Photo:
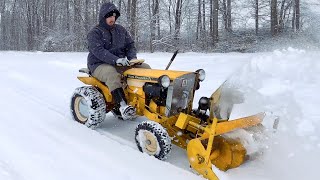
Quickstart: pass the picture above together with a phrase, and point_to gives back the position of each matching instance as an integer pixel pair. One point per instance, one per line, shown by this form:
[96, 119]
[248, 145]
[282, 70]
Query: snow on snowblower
[165, 97]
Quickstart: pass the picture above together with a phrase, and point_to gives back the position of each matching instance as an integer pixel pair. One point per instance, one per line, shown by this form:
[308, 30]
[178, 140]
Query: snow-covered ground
[39, 140]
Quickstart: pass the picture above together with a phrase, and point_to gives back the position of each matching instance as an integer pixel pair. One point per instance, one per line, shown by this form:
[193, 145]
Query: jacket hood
[107, 8]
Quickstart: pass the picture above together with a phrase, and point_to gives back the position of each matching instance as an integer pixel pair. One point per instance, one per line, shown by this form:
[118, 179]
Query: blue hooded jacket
[107, 43]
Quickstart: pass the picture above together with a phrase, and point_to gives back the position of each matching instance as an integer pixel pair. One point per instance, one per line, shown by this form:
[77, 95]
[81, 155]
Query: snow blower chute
[165, 97]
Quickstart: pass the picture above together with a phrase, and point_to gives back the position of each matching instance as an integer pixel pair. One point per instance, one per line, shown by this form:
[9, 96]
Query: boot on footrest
[128, 112]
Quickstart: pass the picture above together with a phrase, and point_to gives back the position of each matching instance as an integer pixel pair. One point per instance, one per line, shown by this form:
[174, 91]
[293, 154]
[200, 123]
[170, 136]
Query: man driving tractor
[111, 52]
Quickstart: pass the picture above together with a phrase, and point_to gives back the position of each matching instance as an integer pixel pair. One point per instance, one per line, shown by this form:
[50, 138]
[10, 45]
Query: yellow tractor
[165, 97]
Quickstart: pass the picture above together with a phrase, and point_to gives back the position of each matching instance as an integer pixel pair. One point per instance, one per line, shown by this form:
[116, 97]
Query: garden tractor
[165, 98]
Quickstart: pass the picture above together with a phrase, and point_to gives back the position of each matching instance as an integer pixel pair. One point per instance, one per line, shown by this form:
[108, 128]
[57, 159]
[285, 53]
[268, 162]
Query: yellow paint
[94, 82]
[154, 73]
[151, 116]
[153, 107]
[188, 122]
[227, 126]
[182, 121]
[162, 110]
[196, 156]
[229, 153]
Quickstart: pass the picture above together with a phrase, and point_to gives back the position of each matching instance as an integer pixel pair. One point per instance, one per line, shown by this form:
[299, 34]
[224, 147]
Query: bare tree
[177, 21]
[3, 33]
[154, 6]
[132, 18]
[53, 14]
[211, 18]
[157, 15]
[68, 16]
[169, 15]
[274, 18]
[226, 9]
[77, 24]
[46, 13]
[129, 11]
[86, 15]
[256, 16]
[199, 24]
[203, 17]
[282, 16]
[14, 35]
[97, 6]
[30, 4]
[296, 15]
[229, 27]
[215, 34]
[153, 23]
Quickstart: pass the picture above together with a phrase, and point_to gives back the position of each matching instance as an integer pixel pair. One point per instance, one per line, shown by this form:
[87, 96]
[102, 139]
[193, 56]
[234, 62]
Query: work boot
[127, 111]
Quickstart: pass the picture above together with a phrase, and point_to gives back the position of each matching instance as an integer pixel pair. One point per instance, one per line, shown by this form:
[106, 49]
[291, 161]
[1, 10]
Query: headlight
[202, 74]
[204, 103]
[164, 81]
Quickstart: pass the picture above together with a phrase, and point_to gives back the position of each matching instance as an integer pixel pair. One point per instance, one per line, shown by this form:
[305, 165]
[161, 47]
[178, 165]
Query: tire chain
[160, 132]
[97, 105]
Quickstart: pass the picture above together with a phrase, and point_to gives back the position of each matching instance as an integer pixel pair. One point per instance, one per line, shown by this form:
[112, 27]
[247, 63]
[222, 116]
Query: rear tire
[88, 106]
[153, 139]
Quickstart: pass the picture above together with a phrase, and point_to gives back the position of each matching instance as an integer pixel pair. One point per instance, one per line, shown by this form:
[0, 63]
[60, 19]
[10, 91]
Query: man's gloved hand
[123, 62]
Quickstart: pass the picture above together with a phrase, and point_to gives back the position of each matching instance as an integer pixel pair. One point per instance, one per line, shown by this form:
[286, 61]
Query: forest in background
[163, 25]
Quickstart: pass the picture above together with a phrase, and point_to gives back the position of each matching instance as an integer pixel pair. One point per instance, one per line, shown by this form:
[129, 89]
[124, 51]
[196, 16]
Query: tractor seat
[85, 70]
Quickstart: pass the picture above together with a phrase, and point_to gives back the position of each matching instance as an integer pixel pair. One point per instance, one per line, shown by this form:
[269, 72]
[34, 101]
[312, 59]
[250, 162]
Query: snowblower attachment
[211, 147]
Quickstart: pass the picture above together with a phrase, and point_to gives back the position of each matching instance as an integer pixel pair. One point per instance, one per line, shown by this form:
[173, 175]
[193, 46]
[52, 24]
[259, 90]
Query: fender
[96, 83]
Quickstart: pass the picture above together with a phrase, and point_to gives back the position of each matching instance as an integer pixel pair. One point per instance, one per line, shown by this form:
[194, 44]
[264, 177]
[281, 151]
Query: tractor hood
[152, 75]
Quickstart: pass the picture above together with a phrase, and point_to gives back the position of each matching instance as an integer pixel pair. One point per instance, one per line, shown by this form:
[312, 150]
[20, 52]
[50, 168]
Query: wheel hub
[81, 109]
[151, 144]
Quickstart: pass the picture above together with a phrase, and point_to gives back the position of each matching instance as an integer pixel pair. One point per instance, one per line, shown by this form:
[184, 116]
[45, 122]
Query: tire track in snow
[8, 172]
[26, 80]
[27, 95]
[118, 139]
[119, 130]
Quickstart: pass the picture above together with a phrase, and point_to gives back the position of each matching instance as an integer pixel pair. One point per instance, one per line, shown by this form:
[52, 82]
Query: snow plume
[285, 83]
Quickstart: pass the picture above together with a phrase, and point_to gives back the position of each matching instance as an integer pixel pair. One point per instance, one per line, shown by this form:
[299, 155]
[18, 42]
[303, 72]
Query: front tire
[88, 106]
[153, 139]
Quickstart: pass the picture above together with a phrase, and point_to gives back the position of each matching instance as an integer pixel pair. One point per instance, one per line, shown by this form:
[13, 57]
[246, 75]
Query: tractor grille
[180, 94]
